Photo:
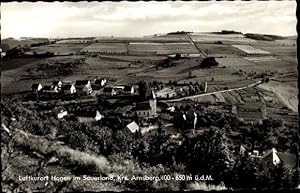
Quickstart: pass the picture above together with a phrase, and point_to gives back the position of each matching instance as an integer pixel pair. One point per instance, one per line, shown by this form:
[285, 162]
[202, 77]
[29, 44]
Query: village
[99, 105]
[87, 92]
[141, 108]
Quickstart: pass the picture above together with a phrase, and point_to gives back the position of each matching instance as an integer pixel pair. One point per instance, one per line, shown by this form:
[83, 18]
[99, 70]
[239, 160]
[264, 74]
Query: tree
[144, 90]
[205, 153]
[282, 178]
[208, 62]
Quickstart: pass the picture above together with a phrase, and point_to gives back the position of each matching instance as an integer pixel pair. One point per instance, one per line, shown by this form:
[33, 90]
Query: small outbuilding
[133, 127]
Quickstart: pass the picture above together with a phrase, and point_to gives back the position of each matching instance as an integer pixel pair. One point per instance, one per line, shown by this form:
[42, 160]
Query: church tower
[152, 103]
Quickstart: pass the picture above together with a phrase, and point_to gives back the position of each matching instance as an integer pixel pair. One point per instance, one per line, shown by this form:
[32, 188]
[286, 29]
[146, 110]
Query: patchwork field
[209, 37]
[261, 59]
[59, 49]
[250, 49]
[163, 48]
[106, 48]
[218, 49]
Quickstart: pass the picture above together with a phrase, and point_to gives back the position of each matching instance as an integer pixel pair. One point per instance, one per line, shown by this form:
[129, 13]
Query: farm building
[36, 87]
[109, 91]
[68, 89]
[89, 116]
[57, 83]
[128, 89]
[166, 93]
[50, 89]
[133, 127]
[273, 156]
[83, 86]
[100, 81]
[60, 112]
[147, 109]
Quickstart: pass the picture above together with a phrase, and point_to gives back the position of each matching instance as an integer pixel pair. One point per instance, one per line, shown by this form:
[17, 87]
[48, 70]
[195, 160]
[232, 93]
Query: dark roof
[142, 106]
[108, 89]
[289, 160]
[81, 82]
[55, 82]
[35, 86]
[47, 87]
[98, 81]
[66, 87]
[127, 88]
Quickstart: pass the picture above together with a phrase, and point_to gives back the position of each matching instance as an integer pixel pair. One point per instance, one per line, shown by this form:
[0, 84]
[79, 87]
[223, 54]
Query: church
[147, 109]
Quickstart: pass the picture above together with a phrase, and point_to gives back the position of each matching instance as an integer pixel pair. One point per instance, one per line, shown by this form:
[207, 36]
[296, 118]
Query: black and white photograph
[149, 96]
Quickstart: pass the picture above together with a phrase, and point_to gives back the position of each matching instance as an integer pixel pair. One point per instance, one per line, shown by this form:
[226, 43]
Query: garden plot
[250, 50]
[219, 98]
[106, 48]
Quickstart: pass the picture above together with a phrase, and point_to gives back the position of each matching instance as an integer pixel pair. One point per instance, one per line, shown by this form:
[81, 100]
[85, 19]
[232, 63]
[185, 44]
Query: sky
[94, 19]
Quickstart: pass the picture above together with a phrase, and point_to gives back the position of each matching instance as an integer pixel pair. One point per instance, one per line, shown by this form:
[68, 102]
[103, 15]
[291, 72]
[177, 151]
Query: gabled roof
[127, 88]
[133, 127]
[108, 89]
[142, 106]
[152, 95]
[98, 81]
[56, 82]
[67, 87]
[35, 86]
[81, 82]
[47, 87]
[288, 159]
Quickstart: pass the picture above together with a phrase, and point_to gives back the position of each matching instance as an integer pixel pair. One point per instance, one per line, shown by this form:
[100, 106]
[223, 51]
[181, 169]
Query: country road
[203, 54]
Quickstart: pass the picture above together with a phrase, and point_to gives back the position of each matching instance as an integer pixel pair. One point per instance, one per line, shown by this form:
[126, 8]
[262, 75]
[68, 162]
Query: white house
[36, 87]
[110, 91]
[68, 89]
[83, 86]
[62, 114]
[133, 127]
[57, 83]
[129, 89]
[89, 116]
[50, 89]
[100, 81]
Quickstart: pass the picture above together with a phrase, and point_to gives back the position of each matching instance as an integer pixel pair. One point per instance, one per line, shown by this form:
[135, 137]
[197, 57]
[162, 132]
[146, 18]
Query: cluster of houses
[81, 86]
[115, 90]
[272, 156]
[182, 91]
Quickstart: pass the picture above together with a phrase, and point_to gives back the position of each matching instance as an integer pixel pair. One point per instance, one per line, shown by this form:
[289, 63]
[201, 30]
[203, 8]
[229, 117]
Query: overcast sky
[69, 19]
